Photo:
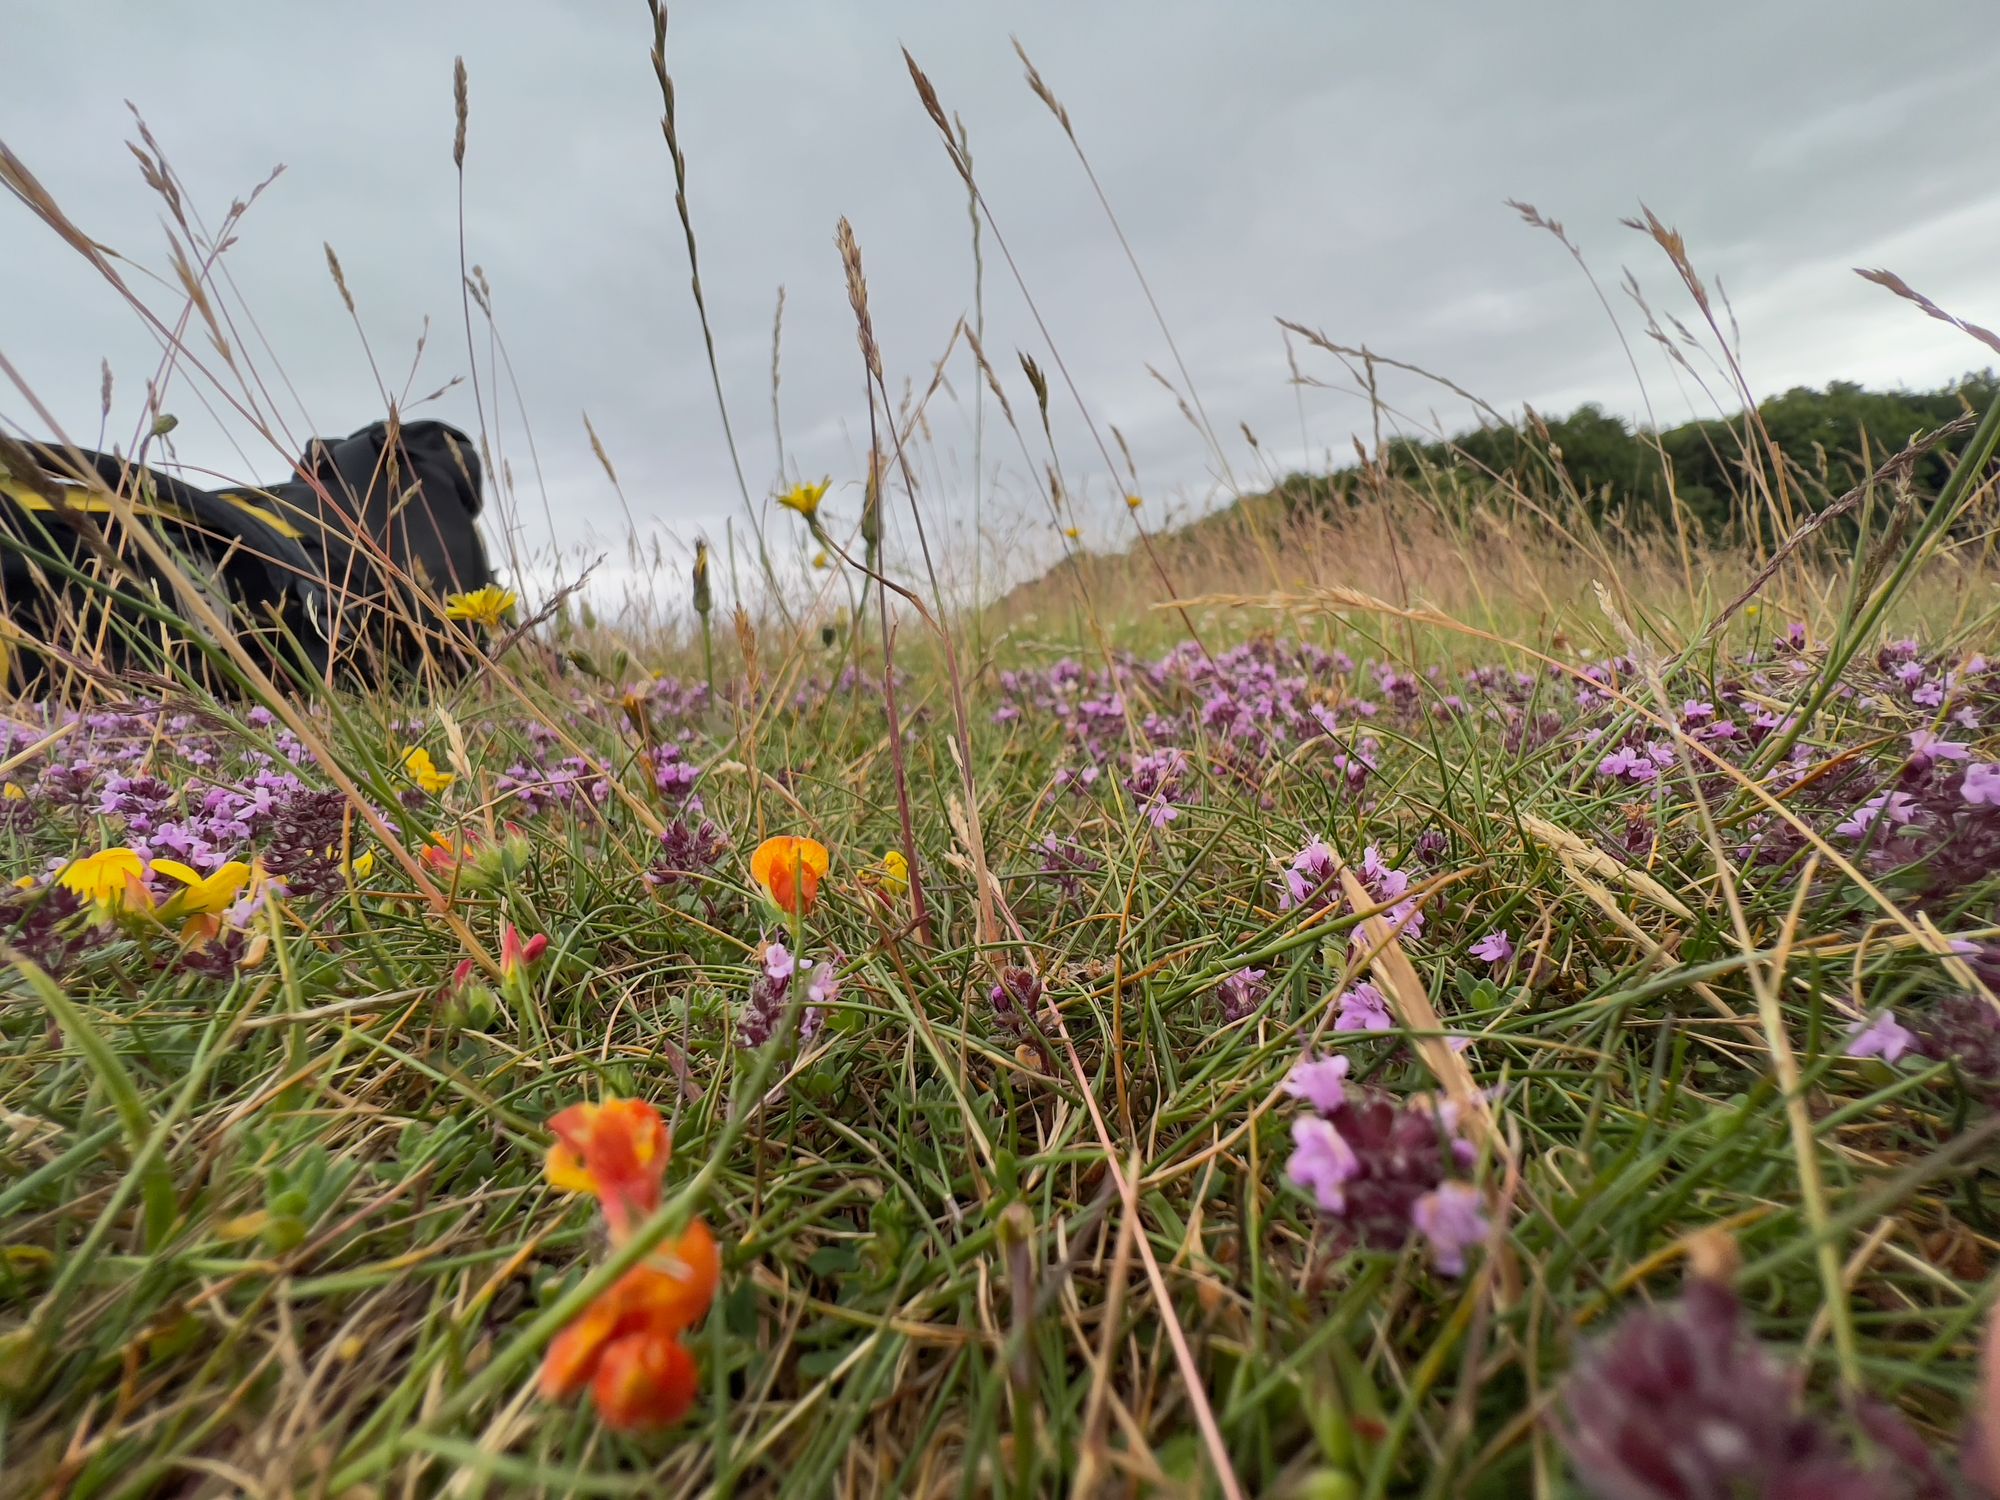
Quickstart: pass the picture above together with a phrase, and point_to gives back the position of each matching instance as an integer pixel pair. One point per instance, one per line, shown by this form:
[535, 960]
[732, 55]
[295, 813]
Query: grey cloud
[1342, 165]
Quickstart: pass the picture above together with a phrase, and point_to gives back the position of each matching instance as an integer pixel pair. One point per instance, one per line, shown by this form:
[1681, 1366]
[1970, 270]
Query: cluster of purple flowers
[1016, 999]
[1242, 992]
[1064, 863]
[690, 847]
[1247, 705]
[1312, 883]
[779, 971]
[1159, 783]
[1380, 1169]
[1681, 1402]
[167, 786]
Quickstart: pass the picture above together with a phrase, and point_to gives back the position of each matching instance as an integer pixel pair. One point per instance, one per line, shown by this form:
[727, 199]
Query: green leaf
[157, 1186]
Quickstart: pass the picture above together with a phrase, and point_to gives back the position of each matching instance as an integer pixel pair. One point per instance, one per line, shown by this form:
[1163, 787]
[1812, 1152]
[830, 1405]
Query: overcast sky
[1340, 164]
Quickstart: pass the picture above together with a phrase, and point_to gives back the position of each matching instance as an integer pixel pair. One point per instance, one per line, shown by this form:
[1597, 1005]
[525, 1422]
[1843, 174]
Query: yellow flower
[805, 498]
[362, 865]
[488, 606]
[423, 770]
[201, 895]
[13, 793]
[819, 559]
[1072, 533]
[1133, 502]
[889, 875]
[110, 877]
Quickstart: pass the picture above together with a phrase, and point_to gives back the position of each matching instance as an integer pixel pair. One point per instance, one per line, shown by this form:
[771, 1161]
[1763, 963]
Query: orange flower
[662, 1298]
[644, 1384]
[444, 854]
[789, 870]
[626, 1346]
[617, 1150]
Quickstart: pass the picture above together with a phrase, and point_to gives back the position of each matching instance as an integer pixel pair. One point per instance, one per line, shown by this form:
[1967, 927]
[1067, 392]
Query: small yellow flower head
[820, 560]
[805, 498]
[362, 865]
[201, 895]
[424, 772]
[1133, 502]
[489, 606]
[113, 878]
[13, 792]
[889, 875]
[1072, 533]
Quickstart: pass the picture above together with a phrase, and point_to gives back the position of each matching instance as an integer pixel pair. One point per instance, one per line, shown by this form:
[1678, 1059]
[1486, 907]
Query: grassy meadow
[1437, 994]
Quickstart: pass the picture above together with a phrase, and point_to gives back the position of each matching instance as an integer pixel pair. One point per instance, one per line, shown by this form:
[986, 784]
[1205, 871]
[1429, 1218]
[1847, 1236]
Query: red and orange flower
[626, 1346]
[616, 1151]
[789, 871]
[519, 954]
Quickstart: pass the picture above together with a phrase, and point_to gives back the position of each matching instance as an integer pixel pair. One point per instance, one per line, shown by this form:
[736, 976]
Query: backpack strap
[269, 543]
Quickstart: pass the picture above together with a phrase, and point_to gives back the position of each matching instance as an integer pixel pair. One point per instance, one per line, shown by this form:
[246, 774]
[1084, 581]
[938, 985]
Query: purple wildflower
[1964, 1030]
[1627, 764]
[1926, 747]
[1363, 1008]
[1377, 1167]
[1679, 1402]
[1016, 997]
[1495, 948]
[672, 774]
[1158, 783]
[763, 1010]
[1310, 877]
[1981, 786]
[1322, 1162]
[1452, 1216]
[1242, 992]
[688, 850]
[779, 965]
[1892, 808]
[1319, 1081]
[1884, 1037]
[1064, 862]
[824, 987]
[1387, 887]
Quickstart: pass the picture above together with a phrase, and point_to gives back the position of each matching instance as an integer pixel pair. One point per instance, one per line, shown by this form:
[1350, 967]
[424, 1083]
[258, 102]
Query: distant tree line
[1831, 440]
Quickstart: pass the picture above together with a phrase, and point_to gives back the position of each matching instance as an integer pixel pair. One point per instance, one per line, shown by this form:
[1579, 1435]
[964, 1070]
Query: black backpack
[305, 582]
[401, 527]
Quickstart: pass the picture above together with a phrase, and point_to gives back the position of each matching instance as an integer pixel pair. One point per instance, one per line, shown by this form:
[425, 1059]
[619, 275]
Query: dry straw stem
[670, 129]
[928, 95]
[1126, 1184]
[1575, 851]
[1903, 289]
[1894, 470]
[1778, 499]
[1391, 965]
[1198, 417]
[857, 294]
